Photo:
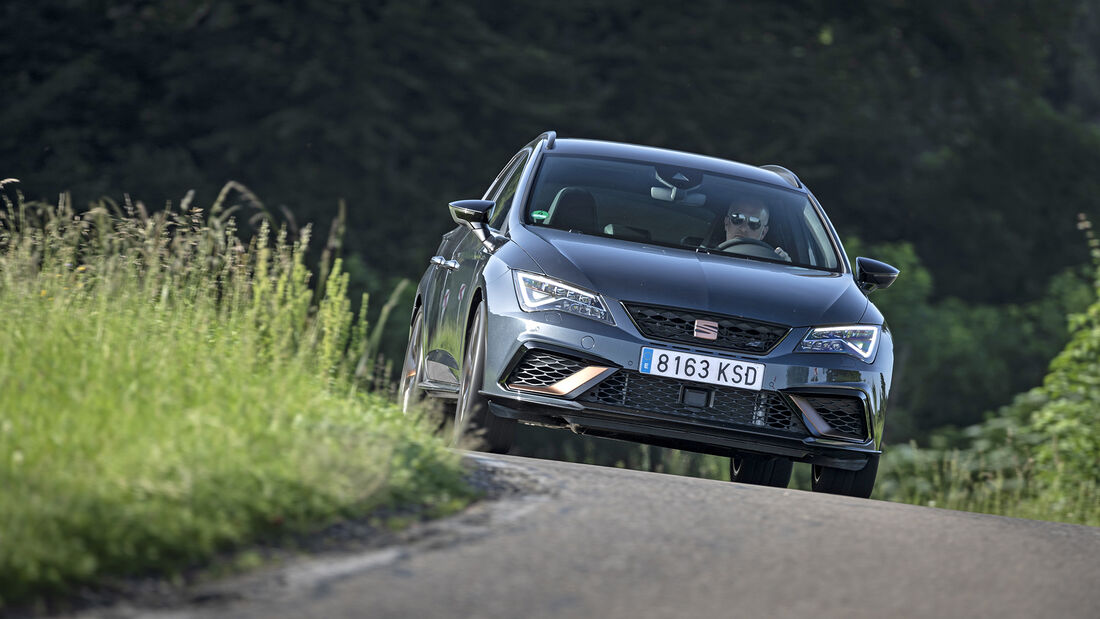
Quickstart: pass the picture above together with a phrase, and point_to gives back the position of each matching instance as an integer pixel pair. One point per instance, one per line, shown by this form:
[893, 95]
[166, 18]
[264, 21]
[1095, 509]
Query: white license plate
[702, 368]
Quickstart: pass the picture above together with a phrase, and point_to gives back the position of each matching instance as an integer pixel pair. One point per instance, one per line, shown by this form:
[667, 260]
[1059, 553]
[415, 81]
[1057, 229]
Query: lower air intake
[658, 394]
[542, 369]
[845, 415]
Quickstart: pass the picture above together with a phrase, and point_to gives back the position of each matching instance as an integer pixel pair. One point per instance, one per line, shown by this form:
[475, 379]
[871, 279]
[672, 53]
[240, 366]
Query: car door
[437, 368]
[443, 333]
[467, 260]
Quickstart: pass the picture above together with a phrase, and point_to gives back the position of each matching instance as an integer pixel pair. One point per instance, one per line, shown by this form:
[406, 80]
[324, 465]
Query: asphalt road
[587, 541]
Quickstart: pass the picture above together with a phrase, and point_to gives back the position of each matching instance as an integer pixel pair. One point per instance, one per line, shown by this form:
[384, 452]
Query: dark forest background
[958, 140]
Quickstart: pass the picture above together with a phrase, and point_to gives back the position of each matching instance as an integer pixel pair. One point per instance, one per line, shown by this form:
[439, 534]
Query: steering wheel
[740, 240]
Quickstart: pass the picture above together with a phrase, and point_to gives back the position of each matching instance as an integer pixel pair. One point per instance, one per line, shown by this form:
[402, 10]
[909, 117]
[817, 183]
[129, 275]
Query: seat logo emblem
[706, 329]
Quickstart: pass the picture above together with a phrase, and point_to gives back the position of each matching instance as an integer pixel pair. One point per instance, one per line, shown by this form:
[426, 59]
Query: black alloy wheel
[747, 468]
[850, 483]
[475, 427]
[409, 394]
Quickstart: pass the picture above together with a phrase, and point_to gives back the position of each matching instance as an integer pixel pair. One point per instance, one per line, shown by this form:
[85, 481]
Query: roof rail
[550, 137]
[783, 173]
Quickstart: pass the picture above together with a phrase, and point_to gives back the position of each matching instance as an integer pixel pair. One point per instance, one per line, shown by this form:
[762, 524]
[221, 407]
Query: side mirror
[873, 275]
[471, 213]
[474, 214]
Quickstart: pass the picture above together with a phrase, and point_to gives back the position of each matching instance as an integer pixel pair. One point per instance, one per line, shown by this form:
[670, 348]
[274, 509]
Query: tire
[746, 468]
[850, 483]
[409, 395]
[475, 427]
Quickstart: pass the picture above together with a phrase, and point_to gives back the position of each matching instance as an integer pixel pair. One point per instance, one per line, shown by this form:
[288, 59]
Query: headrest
[627, 232]
[573, 208]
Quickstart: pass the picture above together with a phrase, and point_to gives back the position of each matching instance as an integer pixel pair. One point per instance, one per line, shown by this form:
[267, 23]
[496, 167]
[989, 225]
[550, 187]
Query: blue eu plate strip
[647, 360]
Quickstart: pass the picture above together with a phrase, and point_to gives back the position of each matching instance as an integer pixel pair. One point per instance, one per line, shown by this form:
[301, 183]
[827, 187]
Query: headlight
[856, 340]
[539, 293]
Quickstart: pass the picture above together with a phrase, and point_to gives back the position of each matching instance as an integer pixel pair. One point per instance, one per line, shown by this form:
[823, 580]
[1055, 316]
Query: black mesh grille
[659, 394]
[845, 415]
[678, 325]
[542, 369]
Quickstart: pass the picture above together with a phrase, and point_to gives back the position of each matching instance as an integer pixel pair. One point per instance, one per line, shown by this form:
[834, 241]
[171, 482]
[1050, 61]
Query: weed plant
[169, 391]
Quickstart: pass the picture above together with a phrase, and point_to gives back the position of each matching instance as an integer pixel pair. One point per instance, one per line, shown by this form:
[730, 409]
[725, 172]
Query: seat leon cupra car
[659, 297]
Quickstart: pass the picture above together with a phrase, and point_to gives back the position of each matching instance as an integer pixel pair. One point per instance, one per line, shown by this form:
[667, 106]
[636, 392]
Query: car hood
[636, 272]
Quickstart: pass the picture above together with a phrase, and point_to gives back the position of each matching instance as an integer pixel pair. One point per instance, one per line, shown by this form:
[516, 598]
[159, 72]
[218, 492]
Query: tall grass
[977, 480]
[168, 391]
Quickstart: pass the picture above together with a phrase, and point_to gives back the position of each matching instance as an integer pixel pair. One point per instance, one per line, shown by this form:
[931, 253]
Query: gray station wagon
[660, 297]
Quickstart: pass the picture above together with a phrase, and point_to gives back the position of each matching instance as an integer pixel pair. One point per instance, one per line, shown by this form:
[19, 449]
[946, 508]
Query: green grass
[168, 393]
[977, 480]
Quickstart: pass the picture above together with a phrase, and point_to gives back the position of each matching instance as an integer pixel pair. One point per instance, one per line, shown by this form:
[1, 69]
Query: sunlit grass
[168, 392]
[976, 481]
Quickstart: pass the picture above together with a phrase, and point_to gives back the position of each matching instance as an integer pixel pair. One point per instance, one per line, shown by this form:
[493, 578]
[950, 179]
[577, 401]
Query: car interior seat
[632, 233]
[574, 208]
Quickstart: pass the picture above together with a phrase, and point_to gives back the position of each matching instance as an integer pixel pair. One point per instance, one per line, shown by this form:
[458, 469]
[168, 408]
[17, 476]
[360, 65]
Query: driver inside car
[747, 218]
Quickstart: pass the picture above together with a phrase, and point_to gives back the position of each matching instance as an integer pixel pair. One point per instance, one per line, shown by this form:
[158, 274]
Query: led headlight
[540, 293]
[856, 340]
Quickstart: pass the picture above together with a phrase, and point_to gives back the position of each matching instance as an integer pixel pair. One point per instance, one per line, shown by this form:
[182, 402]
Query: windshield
[653, 203]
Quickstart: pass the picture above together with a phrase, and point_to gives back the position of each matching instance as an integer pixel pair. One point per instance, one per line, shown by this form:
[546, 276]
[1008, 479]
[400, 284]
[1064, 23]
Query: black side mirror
[873, 275]
[471, 212]
[474, 214]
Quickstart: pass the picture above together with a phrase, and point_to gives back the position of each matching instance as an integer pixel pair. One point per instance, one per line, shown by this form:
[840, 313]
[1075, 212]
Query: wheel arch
[476, 299]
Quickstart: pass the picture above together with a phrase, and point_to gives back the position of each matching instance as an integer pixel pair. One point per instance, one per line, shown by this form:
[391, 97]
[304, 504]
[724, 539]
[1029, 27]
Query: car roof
[599, 148]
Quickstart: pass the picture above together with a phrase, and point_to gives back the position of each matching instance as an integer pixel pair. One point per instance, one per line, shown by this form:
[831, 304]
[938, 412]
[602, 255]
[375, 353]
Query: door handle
[450, 264]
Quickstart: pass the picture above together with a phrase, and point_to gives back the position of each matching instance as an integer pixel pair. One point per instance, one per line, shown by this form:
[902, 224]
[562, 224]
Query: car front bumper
[553, 368]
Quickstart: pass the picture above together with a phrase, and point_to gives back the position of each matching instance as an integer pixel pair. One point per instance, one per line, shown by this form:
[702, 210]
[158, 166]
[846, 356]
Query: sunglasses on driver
[738, 219]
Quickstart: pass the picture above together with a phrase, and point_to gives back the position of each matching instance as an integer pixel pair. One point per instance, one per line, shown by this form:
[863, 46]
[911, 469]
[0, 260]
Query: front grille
[542, 369]
[678, 325]
[658, 394]
[845, 415]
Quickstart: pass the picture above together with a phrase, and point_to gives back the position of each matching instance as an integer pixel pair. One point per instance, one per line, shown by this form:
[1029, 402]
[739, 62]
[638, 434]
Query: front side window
[672, 206]
[507, 190]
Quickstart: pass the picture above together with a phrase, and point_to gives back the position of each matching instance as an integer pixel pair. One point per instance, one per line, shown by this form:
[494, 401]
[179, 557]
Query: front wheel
[475, 427]
[760, 470]
[850, 483]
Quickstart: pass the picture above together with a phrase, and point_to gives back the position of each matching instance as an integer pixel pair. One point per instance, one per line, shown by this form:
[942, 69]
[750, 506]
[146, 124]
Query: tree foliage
[960, 133]
[913, 121]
